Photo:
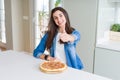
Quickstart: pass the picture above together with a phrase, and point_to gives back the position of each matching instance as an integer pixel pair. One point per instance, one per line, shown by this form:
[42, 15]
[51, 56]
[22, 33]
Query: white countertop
[21, 66]
[109, 44]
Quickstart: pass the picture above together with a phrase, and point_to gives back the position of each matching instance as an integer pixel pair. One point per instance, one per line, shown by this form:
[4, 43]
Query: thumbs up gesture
[65, 37]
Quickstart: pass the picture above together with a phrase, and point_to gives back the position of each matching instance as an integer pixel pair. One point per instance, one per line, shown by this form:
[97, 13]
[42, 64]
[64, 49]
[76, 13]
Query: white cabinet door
[107, 63]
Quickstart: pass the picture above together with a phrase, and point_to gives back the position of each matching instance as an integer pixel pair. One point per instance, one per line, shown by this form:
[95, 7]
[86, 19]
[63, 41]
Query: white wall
[19, 27]
[27, 21]
[83, 16]
[17, 24]
[14, 25]
[8, 24]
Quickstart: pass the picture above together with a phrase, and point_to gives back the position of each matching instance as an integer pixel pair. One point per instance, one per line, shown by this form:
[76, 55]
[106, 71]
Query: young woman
[60, 39]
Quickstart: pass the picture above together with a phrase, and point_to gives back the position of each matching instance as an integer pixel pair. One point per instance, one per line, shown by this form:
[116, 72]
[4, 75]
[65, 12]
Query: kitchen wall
[83, 16]
[14, 25]
[17, 25]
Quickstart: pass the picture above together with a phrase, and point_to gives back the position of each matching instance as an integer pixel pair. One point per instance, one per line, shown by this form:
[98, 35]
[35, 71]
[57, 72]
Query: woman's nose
[59, 19]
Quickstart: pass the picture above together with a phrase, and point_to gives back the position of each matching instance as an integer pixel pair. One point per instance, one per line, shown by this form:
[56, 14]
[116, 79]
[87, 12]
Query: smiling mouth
[60, 23]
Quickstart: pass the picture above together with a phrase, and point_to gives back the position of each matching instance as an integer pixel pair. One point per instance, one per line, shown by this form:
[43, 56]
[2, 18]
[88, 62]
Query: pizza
[52, 66]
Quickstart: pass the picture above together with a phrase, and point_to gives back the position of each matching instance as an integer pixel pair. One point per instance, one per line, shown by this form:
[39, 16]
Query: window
[41, 16]
[2, 22]
[42, 9]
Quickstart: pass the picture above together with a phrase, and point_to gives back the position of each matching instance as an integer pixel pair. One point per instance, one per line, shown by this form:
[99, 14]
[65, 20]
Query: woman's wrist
[46, 57]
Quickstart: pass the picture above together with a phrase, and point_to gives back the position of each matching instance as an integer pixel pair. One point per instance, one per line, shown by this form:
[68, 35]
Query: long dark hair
[53, 28]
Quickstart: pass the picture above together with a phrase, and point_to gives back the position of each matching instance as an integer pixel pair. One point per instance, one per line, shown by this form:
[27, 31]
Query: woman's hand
[52, 59]
[49, 58]
[66, 37]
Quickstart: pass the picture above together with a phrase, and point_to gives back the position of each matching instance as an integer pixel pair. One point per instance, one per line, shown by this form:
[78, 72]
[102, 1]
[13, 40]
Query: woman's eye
[55, 17]
[60, 15]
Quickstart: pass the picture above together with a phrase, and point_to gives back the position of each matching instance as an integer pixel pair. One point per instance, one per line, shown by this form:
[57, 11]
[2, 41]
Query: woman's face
[59, 19]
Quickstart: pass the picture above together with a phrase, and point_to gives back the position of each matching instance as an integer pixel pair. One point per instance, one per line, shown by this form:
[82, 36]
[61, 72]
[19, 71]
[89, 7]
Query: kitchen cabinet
[107, 52]
[107, 63]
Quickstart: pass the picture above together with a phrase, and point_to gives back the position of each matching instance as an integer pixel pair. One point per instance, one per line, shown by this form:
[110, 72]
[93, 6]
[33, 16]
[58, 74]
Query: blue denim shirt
[72, 58]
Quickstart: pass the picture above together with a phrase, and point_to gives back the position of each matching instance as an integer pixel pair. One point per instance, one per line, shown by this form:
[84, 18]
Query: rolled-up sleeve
[41, 47]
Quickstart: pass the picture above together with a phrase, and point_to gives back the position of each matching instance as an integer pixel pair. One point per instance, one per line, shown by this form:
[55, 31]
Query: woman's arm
[39, 50]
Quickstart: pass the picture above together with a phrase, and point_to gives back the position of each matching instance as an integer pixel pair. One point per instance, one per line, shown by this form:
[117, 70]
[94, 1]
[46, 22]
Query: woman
[60, 40]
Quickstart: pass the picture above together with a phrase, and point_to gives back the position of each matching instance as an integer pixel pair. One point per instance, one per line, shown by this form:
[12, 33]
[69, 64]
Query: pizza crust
[52, 66]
